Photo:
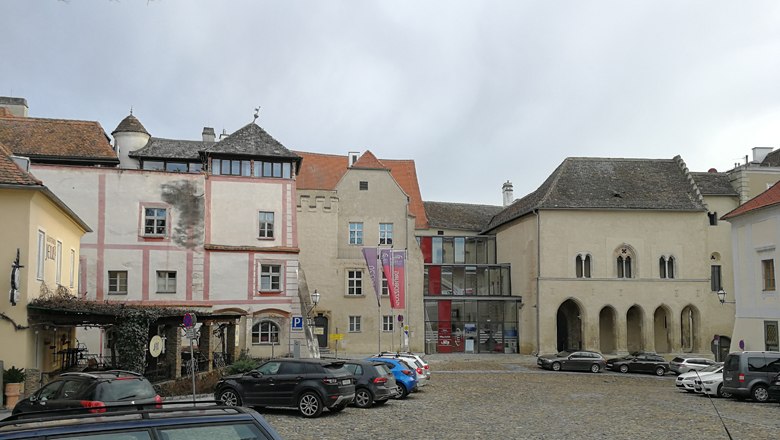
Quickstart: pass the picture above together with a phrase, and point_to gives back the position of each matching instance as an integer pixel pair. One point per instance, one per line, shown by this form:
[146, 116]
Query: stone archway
[634, 323]
[608, 330]
[662, 330]
[689, 329]
[569, 326]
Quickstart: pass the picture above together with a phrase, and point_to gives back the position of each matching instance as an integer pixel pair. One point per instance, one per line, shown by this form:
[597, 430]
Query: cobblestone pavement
[508, 397]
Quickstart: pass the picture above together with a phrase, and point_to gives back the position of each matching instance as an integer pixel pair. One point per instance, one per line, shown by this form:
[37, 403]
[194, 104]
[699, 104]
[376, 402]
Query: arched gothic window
[265, 332]
[624, 262]
[582, 264]
[666, 267]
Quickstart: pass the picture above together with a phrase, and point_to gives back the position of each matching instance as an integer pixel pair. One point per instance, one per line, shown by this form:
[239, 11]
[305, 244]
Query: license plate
[346, 382]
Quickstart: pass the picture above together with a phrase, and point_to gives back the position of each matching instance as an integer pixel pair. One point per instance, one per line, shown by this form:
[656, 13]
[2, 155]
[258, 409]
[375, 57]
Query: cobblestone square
[509, 397]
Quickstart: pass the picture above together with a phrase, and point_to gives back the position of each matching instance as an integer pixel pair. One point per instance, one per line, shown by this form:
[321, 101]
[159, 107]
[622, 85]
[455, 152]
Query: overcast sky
[476, 92]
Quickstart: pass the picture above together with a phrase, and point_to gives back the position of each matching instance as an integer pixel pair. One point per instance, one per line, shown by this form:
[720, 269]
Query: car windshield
[125, 389]
[711, 368]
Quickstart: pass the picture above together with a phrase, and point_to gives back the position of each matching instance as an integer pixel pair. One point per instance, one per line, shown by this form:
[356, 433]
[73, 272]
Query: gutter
[538, 275]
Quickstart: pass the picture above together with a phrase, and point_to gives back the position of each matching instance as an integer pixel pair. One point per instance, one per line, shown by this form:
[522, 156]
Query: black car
[375, 382]
[639, 362]
[307, 384]
[95, 390]
[169, 420]
[575, 361]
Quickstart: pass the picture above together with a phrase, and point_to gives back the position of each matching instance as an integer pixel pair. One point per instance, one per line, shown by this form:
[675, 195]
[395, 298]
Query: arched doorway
[689, 329]
[634, 341]
[569, 326]
[661, 329]
[322, 321]
[608, 330]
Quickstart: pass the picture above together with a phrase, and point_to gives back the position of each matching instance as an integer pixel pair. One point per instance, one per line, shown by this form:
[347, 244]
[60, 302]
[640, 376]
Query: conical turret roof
[130, 124]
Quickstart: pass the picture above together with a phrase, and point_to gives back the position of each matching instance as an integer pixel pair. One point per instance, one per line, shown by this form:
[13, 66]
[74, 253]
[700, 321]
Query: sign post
[189, 324]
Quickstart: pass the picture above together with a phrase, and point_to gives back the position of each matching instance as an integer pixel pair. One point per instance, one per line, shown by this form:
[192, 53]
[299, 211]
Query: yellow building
[40, 236]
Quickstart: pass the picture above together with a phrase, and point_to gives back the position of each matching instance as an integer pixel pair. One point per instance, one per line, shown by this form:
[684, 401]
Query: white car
[712, 385]
[686, 381]
[421, 367]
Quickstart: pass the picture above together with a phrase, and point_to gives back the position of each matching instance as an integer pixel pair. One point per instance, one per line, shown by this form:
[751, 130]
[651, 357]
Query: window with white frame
[117, 282]
[265, 332]
[385, 286]
[768, 274]
[355, 233]
[354, 324]
[386, 233]
[166, 281]
[41, 255]
[58, 264]
[266, 224]
[155, 222]
[354, 282]
[270, 277]
[582, 266]
[387, 323]
[666, 267]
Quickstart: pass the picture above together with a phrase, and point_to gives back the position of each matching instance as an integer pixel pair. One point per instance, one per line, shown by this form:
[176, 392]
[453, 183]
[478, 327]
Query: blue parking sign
[297, 322]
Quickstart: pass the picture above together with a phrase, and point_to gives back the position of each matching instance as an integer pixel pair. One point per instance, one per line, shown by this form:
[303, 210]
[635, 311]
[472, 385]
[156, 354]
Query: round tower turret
[129, 135]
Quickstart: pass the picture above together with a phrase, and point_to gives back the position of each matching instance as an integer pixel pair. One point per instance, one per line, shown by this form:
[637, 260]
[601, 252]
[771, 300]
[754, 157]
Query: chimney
[759, 153]
[15, 106]
[509, 196]
[353, 157]
[208, 134]
[223, 135]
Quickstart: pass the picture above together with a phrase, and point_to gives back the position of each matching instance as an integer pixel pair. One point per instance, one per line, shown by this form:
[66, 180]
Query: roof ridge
[558, 173]
[33, 119]
[690, 179]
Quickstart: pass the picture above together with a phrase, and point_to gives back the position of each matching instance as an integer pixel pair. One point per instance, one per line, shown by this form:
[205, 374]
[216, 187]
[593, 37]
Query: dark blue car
[405, 376]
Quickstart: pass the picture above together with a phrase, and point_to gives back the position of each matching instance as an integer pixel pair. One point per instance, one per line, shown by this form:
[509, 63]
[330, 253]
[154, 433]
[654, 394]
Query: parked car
[711, 385]
[405, 376]
[686, 381]
[375, 382]
[682, 364]
[748, 373]
[640, 362]
[421, 367]
[95, 390]
[576, 361]
[310, 385]
[774, 388]
[170, 420]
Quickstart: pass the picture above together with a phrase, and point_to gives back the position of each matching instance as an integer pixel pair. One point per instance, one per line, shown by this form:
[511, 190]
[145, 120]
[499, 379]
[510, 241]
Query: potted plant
[13, 378]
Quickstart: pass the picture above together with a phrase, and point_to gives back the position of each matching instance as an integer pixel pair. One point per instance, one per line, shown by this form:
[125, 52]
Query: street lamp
[722, 297]
[315, 299]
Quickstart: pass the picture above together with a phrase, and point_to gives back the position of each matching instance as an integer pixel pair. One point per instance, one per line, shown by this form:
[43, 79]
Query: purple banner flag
[370, 254]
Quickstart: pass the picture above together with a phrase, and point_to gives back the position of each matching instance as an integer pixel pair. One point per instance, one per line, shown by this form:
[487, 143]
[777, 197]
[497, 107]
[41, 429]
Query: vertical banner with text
[370, 254]
[394, 268]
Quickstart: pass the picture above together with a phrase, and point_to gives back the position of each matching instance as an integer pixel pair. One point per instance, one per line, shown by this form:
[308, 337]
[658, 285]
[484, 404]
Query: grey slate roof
[714, 184]
[159, 148]
[609, 184]
[772, 159]
[251, 140]
[461, 216]
[130, 124]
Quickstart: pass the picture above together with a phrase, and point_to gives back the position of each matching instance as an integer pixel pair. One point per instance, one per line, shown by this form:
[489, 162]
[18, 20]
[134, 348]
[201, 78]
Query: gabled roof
[610, 184]
[714, 184]
[130, 124]
[159, 148]
[461, 216]
[251, 140]
[772, 159]
[11, 174]
[770, 197]
[324, 171]
[57, 140]
[369, 162]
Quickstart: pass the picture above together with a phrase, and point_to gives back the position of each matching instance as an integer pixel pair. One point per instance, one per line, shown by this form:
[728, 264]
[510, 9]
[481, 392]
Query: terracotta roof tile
[369, 161]
[767, 198]
[11, 174]
[56, 138]
[323, 172]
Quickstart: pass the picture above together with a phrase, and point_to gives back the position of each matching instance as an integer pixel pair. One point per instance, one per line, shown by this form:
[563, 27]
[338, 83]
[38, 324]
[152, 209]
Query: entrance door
[491, 337]
[322, 321]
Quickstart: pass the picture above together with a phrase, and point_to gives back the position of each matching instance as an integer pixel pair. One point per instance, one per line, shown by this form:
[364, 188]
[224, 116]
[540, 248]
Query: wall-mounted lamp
[315, 299]
[722, 297]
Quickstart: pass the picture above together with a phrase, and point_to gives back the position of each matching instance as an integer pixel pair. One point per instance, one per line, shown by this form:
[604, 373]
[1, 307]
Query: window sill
[270, 292]
[266, 238]
[355, 331]
[166, 293]
[266, 344]
[354, 296]
[117, 293]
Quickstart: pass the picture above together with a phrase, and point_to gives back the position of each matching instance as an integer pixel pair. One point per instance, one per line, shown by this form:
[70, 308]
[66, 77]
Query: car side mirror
[33, 398]
[255, 373]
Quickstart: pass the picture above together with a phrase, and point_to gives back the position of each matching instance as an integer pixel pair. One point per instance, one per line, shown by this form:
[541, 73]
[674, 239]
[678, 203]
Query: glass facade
[469, 307]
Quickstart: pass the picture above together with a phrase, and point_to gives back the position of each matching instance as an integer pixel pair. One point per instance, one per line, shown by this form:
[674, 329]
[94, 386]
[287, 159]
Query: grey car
[575, 361]
[749, 374]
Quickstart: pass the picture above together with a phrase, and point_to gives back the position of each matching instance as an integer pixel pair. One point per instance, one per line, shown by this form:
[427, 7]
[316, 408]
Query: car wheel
[624, 368]
[400, 391]
[660, 371]
[363, 398]
[309, 404]
[722, 393]
[556, 366]
[230, 397]
[759, 393]
[595, 368]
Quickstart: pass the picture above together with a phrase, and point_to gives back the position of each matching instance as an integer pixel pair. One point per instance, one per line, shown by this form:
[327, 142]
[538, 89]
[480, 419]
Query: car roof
[110, 374]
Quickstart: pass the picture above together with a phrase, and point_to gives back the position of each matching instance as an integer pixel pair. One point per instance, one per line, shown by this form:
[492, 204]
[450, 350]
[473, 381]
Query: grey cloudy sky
[476, 92]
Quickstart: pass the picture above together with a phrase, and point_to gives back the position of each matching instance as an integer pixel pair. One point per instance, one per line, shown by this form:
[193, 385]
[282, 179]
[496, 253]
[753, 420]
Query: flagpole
[379, 304]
